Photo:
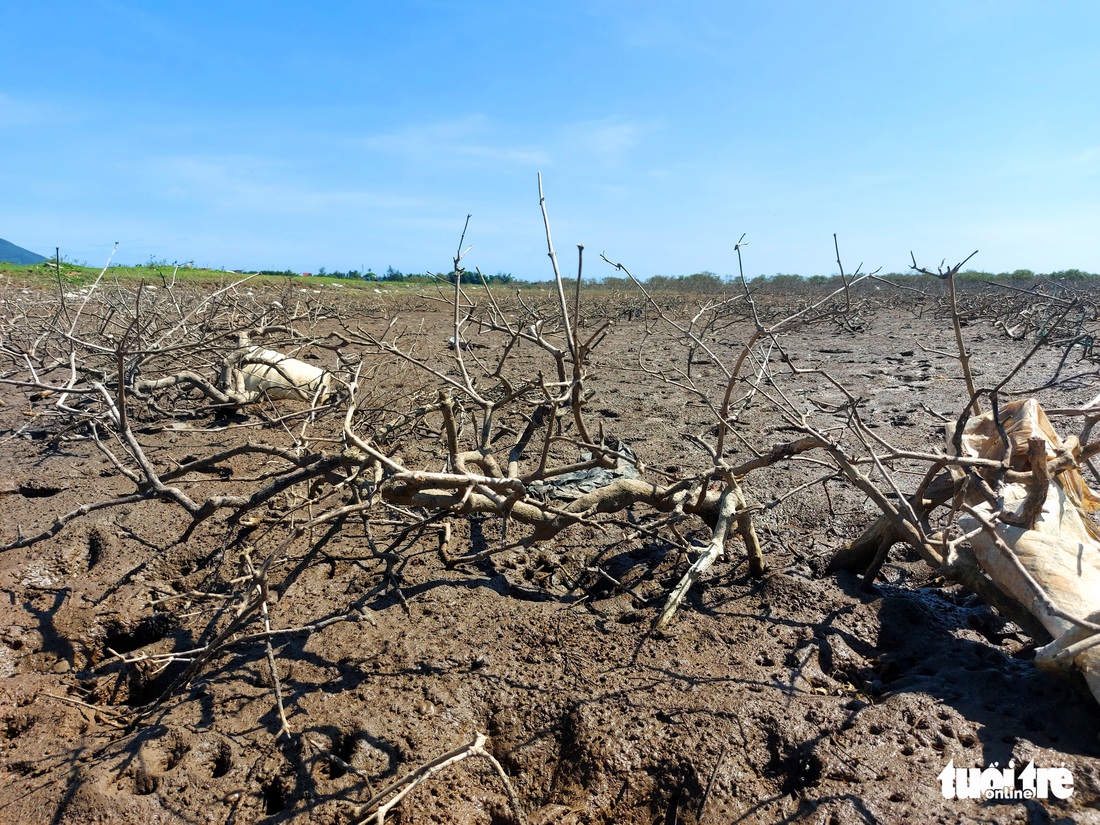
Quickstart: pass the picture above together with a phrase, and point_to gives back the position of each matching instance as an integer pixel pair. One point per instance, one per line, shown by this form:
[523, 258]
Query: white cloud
[703, 29]
[16, 113]
[255, 184]
[466, 137]
[606, 142]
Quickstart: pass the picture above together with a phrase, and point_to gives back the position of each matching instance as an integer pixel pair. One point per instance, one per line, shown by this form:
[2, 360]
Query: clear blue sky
[271, 135]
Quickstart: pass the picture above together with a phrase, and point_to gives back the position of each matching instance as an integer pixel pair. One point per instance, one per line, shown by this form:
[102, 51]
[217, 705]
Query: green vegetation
[153, 272]
[162, 271]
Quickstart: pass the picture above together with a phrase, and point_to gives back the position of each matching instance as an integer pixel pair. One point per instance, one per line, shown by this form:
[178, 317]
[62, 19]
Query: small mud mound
[101, 544]
[115, 682]
[16, 723]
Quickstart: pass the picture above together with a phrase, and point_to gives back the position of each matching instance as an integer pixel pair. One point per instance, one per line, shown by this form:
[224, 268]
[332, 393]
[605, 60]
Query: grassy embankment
[74, 276]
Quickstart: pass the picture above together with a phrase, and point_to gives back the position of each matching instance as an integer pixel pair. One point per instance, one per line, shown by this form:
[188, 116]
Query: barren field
[359, 590]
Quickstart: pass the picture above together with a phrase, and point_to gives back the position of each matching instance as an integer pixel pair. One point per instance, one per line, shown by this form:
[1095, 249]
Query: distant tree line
[474, 278]
[706, 282]
[1025, 276]
[790, 284]
[396, 275]
[697, 282]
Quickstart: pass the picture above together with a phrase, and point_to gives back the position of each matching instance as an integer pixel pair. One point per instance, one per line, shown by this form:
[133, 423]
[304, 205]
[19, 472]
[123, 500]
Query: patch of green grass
[74, 275]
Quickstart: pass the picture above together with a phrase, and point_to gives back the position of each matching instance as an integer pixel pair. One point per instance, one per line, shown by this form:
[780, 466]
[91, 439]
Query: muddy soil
[800, 697]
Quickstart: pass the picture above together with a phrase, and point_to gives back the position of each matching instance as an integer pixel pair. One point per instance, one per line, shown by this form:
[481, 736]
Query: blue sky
[272, 135]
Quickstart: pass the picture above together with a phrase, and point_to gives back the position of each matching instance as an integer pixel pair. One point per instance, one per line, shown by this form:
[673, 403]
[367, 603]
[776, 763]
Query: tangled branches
[397, 436]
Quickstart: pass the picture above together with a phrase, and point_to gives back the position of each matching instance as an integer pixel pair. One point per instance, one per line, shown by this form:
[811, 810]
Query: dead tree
[492, 420]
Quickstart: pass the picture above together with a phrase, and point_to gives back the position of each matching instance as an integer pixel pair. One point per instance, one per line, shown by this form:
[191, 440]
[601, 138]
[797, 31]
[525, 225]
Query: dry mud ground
[798, 698]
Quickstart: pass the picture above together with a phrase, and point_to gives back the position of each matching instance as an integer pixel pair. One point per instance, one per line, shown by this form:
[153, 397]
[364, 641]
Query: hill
[11, 253]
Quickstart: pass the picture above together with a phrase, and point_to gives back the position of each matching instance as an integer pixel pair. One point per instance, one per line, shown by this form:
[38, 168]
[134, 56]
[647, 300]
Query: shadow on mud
[948, 644]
